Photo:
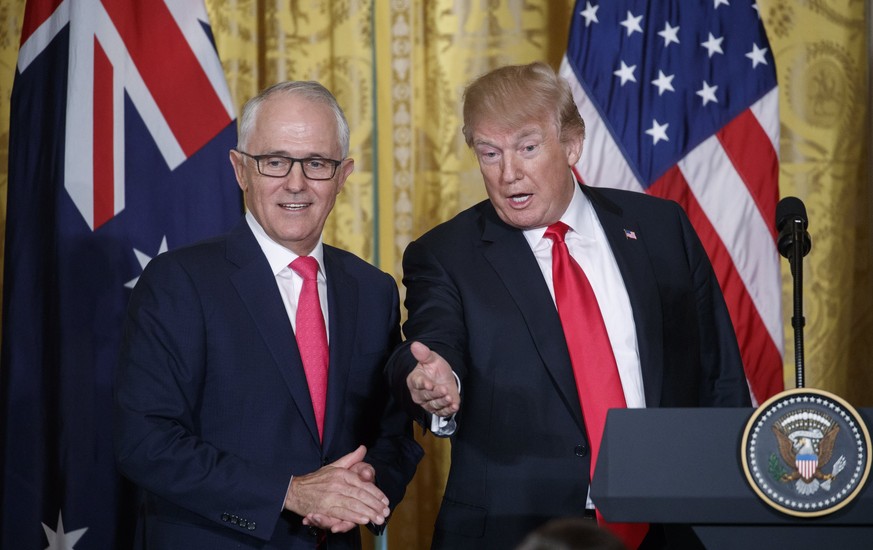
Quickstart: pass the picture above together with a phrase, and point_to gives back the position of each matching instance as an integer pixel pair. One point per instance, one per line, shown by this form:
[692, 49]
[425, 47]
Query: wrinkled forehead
[510, 127]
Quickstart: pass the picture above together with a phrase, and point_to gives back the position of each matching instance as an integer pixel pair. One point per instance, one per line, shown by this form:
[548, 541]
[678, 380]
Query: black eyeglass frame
[258, 158]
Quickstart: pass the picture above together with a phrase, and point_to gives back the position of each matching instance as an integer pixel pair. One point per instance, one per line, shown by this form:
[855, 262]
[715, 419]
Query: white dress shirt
[288, 281]
[587, 244]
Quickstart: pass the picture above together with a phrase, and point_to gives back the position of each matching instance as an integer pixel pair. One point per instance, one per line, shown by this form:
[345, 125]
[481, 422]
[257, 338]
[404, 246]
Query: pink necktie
[597, 380]
[312, 336]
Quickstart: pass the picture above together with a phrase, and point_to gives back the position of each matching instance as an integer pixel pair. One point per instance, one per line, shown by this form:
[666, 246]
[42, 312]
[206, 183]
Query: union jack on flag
[121, 122]
[680, 101]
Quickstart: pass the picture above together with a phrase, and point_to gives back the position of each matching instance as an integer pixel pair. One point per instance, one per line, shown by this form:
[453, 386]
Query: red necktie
[594, 367]
[312, 336]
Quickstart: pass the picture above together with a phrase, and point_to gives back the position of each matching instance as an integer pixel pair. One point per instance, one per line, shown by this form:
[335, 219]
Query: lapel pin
[630, 234]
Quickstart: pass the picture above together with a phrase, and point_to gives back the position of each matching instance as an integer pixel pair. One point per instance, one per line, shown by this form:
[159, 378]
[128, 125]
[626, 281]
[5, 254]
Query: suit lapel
[632, 256]
[513, 261]
[257, 288]
[342, 300]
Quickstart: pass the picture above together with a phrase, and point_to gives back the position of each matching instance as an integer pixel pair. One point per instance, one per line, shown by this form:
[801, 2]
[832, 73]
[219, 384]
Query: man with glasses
[251, 407]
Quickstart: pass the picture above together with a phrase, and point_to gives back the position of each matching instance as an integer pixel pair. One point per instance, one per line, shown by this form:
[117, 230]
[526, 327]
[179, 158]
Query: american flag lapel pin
[628, 234]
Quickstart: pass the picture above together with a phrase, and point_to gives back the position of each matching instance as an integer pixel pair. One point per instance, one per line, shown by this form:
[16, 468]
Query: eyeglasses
[278, 166]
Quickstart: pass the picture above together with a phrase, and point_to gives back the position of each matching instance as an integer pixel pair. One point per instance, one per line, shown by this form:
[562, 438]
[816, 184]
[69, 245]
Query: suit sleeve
[395, 454]
[435, 318]
[161, 376]
[724, 382]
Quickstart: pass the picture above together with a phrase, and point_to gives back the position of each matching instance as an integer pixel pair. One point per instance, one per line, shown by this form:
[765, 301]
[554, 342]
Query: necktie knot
[306, 267]
[556, 232]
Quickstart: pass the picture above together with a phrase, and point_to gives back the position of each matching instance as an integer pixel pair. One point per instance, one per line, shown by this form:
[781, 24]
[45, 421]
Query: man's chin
[521, 219]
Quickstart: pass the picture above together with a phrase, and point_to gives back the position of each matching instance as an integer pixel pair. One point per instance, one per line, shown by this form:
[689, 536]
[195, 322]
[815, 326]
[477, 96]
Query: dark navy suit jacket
[213, 414]
[476, 296]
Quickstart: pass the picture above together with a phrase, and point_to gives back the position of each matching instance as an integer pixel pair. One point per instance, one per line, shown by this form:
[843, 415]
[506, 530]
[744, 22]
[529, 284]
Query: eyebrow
[288, 154]
[524, 134]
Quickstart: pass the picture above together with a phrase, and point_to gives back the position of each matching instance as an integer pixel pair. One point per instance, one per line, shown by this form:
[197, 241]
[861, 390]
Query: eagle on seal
[802, 457]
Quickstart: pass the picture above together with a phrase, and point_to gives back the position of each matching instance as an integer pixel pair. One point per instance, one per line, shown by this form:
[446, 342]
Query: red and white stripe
[728, 185]
[173, 78]
[806, 467]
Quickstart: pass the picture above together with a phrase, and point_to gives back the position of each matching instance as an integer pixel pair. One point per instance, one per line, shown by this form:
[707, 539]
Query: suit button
[252, 526]
[225, 517]
[581, 450]
[313, 530]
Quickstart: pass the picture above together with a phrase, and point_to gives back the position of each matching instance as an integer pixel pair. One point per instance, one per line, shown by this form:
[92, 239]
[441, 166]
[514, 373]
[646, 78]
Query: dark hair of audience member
[571, 534]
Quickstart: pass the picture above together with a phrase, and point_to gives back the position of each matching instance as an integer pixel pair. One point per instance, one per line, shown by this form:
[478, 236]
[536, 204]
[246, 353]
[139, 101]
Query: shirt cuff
[444, 426]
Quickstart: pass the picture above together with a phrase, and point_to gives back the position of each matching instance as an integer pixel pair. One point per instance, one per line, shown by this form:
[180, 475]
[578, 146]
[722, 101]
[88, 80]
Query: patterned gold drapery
[399, 66]
[821, 56]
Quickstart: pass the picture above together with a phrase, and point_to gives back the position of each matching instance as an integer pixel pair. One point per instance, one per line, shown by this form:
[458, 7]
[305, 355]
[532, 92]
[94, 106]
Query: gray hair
[308, 89]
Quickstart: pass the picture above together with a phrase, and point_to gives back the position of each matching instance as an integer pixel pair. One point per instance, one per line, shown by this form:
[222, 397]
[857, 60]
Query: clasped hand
[431, 383]
[339, 496]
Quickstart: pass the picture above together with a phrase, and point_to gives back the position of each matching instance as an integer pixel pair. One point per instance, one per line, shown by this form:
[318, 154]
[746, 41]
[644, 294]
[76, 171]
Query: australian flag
[121, 121]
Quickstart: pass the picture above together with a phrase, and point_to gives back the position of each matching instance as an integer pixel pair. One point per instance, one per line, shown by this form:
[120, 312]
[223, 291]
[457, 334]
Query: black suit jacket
[476, 296]
[213, 412]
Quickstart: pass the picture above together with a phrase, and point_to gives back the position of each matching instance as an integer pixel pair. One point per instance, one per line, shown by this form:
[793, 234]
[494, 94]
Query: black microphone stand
[798, 321]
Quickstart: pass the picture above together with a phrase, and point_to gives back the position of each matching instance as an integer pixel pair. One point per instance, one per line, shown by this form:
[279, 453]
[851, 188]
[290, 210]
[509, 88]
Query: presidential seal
[806, 452]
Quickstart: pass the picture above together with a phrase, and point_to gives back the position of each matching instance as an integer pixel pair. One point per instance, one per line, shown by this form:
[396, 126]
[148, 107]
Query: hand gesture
[432, 383]
[339, 496]
[367, 473]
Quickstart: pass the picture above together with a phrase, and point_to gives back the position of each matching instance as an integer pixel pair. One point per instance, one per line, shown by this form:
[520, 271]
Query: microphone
[794, 244]
[791, 223]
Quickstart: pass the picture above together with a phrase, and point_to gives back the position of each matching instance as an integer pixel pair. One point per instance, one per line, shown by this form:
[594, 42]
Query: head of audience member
[573, 533]
[291, 160]
[526, 132]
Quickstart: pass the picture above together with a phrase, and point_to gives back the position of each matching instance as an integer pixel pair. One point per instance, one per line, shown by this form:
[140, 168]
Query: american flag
[680, 101]
[121, 121]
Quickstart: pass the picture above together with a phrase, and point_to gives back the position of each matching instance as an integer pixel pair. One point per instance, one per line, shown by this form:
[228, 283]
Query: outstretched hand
[432, 383]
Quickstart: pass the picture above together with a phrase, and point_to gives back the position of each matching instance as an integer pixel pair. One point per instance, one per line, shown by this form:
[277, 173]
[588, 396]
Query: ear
[238, 162]
[345, 169]
[573, 148]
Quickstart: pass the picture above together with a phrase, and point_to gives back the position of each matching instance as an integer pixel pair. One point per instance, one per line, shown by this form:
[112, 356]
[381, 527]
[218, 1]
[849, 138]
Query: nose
[295, 181]
[511, 170]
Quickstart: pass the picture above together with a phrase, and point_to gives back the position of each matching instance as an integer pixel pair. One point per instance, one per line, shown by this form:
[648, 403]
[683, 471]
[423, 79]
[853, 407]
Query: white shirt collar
[277, 255]
[579, 216]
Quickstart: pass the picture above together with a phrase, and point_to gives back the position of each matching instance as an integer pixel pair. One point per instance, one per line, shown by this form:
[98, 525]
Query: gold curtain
[399, 66]
[821, 50]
